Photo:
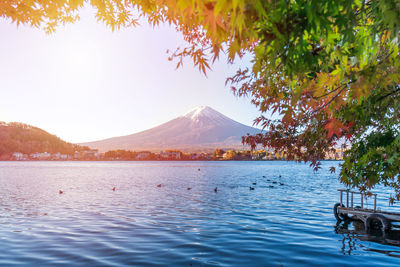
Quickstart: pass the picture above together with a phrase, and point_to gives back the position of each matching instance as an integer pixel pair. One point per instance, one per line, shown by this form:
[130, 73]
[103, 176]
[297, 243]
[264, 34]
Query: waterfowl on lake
[159, 185]
[198, 169]
[251, 188]
[216, 189]
[113, 189]
[254, 183]
[281, 184]
[271, 186]
[274, 182]
[188, 188]
[60, 192]
[268, 180]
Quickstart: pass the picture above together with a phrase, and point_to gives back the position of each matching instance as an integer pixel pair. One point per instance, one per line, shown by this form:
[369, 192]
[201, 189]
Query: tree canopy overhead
[329, 69]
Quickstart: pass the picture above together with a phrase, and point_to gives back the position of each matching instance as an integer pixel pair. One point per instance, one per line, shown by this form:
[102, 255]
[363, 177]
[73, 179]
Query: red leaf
[334, 127]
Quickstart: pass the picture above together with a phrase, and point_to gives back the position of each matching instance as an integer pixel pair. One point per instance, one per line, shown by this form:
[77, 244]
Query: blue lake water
[141, 224]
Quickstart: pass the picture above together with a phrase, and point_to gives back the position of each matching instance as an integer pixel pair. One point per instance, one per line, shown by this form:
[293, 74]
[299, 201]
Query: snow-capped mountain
[201, 129]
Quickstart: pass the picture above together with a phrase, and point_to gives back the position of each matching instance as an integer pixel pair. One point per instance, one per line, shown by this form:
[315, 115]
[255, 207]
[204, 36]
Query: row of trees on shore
[218, 154]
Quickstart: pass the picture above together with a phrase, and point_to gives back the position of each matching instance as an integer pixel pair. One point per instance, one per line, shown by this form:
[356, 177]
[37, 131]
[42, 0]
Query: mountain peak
[200, 111]
[205, 114]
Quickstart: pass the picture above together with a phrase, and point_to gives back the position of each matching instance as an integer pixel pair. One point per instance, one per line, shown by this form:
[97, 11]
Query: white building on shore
[19, 156]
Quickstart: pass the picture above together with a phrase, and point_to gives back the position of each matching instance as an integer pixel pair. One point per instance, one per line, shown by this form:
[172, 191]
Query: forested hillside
[19, 137]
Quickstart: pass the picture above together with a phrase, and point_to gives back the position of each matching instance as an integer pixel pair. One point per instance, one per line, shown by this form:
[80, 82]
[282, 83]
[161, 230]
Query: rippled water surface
[285, 221]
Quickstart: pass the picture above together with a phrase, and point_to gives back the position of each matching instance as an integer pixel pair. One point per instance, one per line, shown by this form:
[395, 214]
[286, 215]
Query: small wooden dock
[373, 219]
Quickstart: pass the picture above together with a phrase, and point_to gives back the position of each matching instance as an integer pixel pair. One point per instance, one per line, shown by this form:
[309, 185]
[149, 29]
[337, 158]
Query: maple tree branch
[330, 101]
[326, 94]
[389, 94]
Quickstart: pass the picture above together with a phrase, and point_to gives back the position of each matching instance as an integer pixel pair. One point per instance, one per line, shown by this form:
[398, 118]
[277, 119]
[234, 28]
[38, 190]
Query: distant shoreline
[174, 160]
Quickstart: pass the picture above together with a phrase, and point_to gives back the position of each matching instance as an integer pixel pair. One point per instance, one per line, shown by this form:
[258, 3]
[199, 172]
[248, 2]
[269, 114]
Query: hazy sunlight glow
[85, 82]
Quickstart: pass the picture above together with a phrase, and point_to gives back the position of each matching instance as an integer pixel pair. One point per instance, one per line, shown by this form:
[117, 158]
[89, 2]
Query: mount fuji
[200, 130]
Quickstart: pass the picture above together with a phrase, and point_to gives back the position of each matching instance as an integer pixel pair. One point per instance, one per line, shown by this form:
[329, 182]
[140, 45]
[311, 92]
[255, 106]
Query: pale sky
[85, 82]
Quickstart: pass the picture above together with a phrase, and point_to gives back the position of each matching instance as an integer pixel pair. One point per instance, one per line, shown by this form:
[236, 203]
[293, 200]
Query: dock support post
[374, 202]
[347, 195]
[351, 199]
[341, 198]
[362, 200]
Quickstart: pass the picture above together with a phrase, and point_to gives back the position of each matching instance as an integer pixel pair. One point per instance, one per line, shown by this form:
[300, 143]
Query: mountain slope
[201, 129]
[19, 137]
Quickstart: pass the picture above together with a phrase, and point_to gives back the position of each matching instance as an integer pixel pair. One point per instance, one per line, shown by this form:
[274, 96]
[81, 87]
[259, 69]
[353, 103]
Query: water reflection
[353, 232]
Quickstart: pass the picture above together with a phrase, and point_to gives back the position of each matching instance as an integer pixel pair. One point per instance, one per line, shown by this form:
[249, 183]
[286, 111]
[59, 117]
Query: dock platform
[373, 219]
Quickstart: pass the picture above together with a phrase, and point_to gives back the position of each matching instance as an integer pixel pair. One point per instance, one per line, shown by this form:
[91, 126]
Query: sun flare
[81, 59]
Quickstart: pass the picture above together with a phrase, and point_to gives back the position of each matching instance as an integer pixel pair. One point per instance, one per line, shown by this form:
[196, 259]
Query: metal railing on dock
[351, 195]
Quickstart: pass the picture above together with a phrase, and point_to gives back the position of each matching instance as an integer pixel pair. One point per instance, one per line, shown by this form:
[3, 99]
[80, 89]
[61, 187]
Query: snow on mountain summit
[202, 113]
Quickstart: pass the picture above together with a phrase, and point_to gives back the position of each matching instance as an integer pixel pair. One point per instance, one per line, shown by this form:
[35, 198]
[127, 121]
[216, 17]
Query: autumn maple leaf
[334, 127]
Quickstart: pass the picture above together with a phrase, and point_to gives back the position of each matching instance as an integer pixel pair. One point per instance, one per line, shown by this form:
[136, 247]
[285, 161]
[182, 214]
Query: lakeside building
[65, 157]
[48, 156]
[337, 155]
[59, 156]
[269, 156]
[91, 154]
[40, 156]
[19, 156]
[194, 156]
[170, 155]
[143, 155]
